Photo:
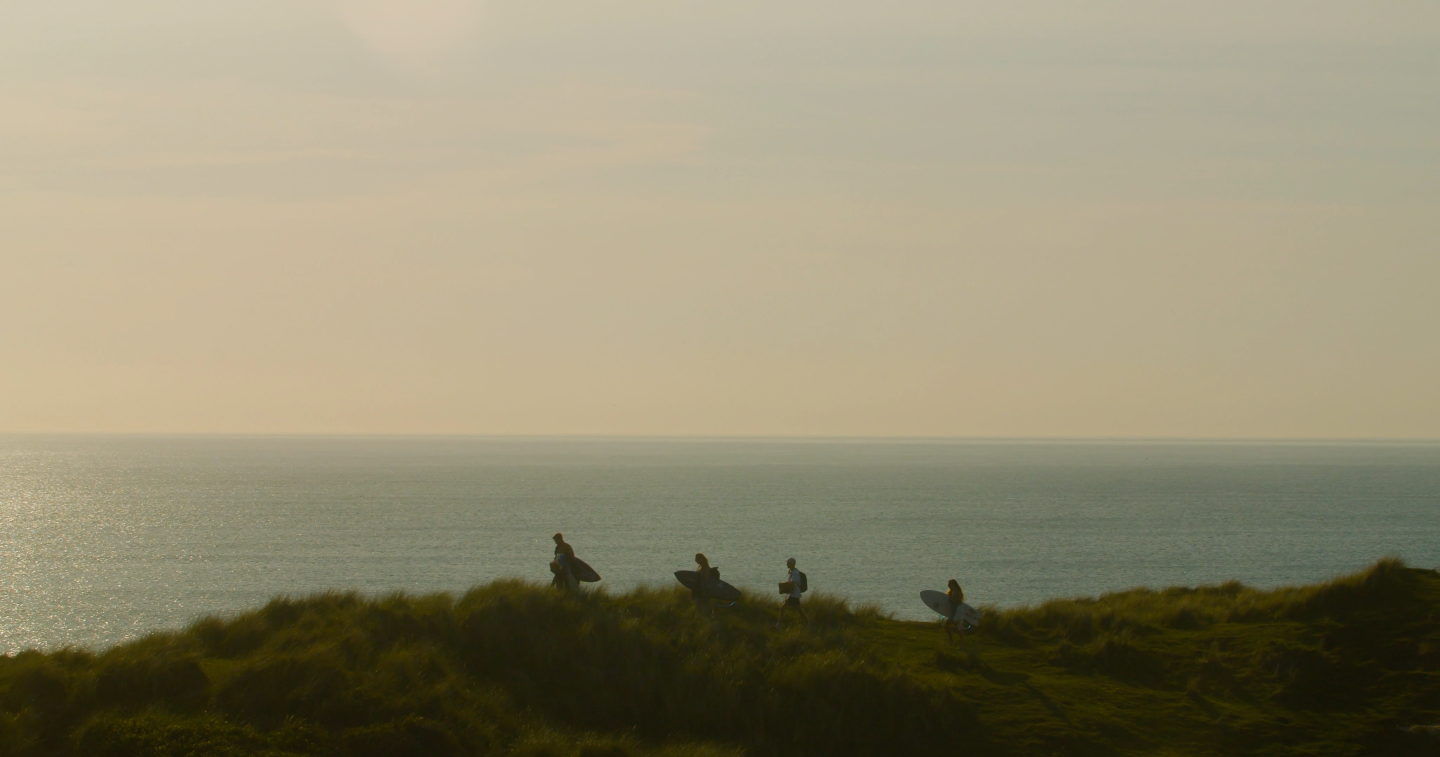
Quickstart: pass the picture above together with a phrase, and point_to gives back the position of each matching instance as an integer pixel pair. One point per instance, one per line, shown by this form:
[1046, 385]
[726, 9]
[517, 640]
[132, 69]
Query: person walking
[954, 624]
[703, 573]
[796, 582]
[564, 559]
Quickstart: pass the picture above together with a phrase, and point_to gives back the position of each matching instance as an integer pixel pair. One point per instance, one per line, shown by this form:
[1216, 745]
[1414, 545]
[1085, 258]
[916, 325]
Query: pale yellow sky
[1215, 219]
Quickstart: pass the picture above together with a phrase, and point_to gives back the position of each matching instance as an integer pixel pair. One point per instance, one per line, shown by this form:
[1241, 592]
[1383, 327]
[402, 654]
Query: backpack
[804, 583]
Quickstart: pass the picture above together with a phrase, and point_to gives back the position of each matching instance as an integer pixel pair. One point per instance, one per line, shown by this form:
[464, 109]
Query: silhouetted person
[793, 598]
[565, 559]
[703, 573]
[954, 623]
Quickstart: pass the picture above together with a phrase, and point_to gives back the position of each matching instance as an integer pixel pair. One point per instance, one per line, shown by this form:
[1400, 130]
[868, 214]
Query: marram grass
[512, 668]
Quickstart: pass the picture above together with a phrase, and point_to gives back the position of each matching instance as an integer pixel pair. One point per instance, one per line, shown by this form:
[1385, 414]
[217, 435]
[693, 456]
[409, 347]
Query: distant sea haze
[108, 538]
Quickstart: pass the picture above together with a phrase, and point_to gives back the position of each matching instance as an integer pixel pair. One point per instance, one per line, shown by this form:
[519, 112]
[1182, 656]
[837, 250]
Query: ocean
[107, 538]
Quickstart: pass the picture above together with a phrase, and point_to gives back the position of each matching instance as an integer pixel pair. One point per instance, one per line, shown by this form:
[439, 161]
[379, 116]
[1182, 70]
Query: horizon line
[733, 437]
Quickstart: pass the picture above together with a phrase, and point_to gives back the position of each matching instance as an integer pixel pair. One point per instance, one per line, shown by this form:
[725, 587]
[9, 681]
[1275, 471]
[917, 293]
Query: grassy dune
[512, 668]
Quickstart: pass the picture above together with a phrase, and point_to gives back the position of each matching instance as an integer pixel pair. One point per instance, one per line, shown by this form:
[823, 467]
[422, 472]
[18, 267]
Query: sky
[911, 218]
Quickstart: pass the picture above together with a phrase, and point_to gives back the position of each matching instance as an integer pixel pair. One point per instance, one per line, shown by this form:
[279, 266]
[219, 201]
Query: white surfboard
[941, 603]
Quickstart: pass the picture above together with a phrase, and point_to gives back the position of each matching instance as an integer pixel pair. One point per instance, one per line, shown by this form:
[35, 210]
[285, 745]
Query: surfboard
[715, 588]
[583, 572]
[939, 602]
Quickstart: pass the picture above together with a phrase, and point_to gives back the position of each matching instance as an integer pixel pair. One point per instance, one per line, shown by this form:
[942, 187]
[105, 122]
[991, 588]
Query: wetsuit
[698, 593]
[565, 555]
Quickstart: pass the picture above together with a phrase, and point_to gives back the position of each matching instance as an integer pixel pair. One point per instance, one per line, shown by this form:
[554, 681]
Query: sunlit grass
[516, 668]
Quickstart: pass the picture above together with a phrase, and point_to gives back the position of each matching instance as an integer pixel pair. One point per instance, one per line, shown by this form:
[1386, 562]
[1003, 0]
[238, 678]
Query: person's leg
[795, 603]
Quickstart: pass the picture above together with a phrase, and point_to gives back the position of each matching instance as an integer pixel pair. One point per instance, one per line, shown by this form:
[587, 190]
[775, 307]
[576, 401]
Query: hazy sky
[1193, 219]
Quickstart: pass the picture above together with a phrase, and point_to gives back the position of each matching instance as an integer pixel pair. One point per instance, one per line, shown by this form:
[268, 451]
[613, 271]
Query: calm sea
[106, 538]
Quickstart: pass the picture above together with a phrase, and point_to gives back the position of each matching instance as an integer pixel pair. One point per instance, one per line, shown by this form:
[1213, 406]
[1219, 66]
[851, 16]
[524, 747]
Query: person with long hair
[703, 573]
[953, 624]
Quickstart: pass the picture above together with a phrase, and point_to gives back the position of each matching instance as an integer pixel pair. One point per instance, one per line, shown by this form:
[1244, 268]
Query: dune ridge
[1347, 666]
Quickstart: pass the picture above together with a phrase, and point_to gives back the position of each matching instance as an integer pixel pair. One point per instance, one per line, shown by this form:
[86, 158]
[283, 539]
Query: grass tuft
[514, 668]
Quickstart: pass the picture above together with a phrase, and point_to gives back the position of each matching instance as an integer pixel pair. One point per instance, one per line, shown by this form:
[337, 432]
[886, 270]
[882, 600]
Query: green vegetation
[514, 668]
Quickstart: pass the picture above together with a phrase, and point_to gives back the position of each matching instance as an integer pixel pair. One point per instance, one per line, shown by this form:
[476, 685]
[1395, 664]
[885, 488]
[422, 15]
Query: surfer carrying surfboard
[952, 623]
[704, 573]
[951, 607]
[565, 559]
[795, 580]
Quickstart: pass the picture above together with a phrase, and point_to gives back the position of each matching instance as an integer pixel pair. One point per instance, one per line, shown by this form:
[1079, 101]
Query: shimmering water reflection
[106, 538]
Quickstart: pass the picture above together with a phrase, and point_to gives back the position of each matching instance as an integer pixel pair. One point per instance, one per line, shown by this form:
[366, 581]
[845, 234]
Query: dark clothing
[701, 576]
[565, 558]
[792, 601]
[698, 593]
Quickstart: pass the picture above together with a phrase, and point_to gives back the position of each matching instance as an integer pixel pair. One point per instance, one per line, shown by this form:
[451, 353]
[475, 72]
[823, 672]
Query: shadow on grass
[1008, 678]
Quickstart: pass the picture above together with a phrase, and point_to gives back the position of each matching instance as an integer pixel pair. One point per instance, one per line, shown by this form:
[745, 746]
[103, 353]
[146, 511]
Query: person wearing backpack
[796, 583]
